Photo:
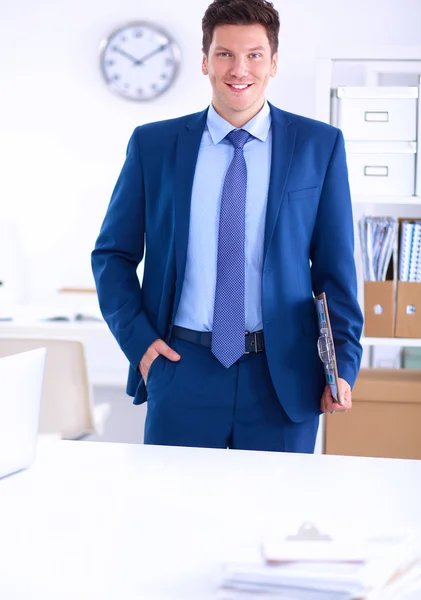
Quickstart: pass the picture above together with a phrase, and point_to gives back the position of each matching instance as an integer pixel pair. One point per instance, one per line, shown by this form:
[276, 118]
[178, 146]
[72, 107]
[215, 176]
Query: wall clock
[139, 61]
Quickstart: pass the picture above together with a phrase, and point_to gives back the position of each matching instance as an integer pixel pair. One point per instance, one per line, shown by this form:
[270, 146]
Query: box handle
[378, 309]
[376, 171]
[376, 117]
[410, 309]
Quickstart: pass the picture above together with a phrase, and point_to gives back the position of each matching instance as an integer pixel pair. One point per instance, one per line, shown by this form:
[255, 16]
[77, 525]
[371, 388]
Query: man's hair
[241, 12]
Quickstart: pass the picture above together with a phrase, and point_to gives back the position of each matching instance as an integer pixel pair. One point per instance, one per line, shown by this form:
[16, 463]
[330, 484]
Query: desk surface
[77, 330]
[106, 363]
[99, 521]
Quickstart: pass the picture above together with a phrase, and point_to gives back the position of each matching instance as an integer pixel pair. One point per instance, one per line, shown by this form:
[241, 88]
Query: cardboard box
[380, 303]
[408, 310]
[385, 420]
[379, 308]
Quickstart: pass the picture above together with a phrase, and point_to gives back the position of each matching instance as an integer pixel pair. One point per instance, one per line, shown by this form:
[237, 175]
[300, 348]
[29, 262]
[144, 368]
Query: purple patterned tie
[228, 331]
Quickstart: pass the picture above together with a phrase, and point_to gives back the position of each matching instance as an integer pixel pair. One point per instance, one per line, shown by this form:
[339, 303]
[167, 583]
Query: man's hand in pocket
[155, 349]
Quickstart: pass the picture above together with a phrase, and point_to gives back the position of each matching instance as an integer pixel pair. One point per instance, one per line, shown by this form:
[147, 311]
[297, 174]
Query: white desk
[69, 330]
[106, 363]
[99, 521]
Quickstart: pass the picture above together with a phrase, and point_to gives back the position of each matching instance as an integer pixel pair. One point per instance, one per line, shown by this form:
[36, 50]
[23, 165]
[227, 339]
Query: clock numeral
[154, 86]
[110, 63]
[164, 76]
[126, 85]
[123, 39]
[169, 62]
[115, 77]
[139, 91]
[114, 48]
[138, 34]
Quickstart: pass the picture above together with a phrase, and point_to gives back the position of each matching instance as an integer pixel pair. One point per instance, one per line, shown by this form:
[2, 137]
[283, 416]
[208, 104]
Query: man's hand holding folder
[344, 403]
[337, 393]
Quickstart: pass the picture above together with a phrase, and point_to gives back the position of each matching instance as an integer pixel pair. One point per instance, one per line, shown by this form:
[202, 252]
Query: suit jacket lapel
[283, 143]
[188, 145]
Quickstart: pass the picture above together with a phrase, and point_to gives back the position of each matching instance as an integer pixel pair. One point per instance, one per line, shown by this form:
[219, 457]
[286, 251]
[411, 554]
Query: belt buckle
[255, 342]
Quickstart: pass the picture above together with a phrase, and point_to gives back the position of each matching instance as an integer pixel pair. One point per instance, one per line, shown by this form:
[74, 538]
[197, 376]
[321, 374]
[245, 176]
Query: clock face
[139, 61]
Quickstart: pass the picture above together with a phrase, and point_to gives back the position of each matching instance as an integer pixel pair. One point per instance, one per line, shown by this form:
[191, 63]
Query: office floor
[125, 422]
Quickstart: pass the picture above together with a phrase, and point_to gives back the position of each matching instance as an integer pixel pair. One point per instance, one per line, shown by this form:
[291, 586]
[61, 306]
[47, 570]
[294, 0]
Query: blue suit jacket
[309, 218]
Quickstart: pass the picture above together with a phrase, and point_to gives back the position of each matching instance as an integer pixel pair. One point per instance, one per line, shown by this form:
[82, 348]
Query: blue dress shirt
[195, 310]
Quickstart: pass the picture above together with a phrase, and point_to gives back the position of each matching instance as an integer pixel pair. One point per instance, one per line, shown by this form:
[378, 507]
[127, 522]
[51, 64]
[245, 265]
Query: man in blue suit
[240, 213]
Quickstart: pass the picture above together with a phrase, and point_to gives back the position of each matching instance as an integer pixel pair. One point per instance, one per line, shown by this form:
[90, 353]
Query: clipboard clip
[308, 532]
[325, 347]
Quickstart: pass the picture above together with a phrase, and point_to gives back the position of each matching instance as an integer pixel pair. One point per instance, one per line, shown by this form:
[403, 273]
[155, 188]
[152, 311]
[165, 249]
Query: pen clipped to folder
[326, 346]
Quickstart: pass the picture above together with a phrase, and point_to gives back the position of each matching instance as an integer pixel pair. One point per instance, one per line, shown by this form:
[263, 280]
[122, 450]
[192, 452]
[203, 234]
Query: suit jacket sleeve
[333, 264]
[118, 251]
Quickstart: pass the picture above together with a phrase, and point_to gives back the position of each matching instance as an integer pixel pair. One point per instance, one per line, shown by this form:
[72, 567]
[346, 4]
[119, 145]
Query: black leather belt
[254, 342]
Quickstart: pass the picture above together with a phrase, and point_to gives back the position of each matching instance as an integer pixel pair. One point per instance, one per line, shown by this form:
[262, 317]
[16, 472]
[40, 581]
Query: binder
[416, 252]
[326, 346]
[407, 232]
[408, 297]
[413, 260]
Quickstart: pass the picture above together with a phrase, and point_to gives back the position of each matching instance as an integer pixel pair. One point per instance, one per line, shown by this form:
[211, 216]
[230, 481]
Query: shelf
[387, 200]
[397, 342]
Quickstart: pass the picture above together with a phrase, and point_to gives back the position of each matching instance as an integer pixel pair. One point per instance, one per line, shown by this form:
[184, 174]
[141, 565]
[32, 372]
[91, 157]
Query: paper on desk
[375, 568]
[54, 311]
[251, 592]
[341, 578]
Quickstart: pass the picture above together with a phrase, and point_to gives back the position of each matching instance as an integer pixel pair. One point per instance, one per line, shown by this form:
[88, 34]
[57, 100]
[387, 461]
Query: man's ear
[274, 66]
[204, 63]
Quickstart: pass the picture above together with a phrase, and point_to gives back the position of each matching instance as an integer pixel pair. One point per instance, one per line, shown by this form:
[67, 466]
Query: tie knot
[238, 137]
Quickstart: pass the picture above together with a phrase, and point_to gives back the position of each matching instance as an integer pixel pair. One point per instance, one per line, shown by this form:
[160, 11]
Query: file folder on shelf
[406, 236]
[408, 294]
[378, 238]
[379, 308]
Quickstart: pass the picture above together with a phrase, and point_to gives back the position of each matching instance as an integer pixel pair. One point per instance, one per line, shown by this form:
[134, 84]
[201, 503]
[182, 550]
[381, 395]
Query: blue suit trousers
[198, 402]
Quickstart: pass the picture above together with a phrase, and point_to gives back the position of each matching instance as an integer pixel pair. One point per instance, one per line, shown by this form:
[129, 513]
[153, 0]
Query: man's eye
[255, 55]
[223, 54]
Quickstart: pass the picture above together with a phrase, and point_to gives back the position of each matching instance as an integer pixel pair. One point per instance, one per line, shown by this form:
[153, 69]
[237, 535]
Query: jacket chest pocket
[310, 193]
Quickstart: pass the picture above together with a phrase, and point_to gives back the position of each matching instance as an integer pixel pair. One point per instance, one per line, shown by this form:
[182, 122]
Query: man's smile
[239, 87]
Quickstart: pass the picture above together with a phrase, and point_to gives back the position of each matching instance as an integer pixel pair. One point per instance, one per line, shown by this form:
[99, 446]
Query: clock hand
[147, 56]
[127, 55]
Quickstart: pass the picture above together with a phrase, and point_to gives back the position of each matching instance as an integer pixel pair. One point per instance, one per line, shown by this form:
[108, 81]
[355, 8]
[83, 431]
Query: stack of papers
[58, 309]
[376, 568]
[378, 238]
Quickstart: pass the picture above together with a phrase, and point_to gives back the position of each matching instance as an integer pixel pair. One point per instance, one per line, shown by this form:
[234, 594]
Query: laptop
[21, 379]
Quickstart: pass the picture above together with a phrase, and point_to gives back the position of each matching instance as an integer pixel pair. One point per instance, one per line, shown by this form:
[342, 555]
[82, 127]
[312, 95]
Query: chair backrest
[66, 406]
[21, 377]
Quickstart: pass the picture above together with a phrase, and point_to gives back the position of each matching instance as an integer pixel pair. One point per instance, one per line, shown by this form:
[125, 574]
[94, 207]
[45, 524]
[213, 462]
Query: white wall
[63, 135]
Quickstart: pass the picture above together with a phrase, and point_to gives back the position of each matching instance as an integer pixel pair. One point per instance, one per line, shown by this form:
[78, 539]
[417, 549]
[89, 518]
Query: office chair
[66, 408]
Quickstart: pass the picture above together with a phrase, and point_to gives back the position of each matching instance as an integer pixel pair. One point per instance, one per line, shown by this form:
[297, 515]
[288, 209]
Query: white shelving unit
[374, 66]
[396, 200]
[396, 342]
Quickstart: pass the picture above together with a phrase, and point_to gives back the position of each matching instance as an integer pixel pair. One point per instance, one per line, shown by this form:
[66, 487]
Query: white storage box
[375, 114]
[381, 168]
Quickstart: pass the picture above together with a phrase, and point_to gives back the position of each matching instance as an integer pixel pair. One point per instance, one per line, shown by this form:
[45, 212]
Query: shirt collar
[258, 126]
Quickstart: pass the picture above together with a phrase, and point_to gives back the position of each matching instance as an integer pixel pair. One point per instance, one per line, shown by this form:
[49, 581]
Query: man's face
[239, 64]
